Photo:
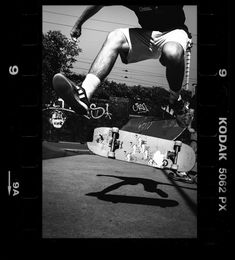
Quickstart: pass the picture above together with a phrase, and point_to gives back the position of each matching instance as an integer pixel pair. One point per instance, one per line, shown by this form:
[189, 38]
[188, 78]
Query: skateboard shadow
[149, 186]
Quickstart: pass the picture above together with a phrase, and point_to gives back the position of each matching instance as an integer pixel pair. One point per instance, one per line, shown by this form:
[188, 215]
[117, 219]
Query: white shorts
[140, 45]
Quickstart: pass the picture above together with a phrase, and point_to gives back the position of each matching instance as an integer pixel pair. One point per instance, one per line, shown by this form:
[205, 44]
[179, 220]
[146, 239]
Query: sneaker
[177, 104]
[184, 120]
[180, 176]
[182, 114]
[73, 95]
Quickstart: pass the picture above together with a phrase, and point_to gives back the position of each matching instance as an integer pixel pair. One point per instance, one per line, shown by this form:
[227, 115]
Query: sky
[94, 32]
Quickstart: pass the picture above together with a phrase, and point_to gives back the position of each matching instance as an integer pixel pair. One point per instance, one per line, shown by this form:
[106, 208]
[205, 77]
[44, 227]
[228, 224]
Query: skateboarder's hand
[76, 32]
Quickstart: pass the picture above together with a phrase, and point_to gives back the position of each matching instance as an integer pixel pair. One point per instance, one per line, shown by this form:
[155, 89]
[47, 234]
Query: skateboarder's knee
[116, 39]
[172, 54]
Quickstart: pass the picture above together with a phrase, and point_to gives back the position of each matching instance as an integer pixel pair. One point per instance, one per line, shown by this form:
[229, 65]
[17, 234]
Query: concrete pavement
[87, 196]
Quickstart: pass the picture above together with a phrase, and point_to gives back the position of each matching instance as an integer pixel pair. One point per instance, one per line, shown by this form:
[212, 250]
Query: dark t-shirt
[160, 18]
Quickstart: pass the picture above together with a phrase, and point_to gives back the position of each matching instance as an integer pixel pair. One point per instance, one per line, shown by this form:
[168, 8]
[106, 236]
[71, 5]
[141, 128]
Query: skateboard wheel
[111, 155]
[174, 167]
[115, 130]
[178, 143]
[165, 163]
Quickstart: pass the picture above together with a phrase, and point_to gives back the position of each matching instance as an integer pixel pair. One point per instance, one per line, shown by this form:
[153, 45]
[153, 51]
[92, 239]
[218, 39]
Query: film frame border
[214, 150]
[23, 128]
[22, 165]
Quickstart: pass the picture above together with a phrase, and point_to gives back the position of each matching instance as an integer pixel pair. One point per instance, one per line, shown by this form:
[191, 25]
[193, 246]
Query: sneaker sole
[65, 89]
[173, 176]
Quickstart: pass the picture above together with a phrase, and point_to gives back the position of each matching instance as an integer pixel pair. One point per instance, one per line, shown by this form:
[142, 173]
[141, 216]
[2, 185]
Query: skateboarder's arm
[87, 13]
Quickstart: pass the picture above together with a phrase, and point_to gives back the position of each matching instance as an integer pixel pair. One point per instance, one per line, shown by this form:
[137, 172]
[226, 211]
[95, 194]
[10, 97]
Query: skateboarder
[163, 36]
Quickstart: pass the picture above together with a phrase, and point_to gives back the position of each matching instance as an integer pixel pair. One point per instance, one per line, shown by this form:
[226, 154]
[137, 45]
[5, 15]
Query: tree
[186, 94]
[58, 55]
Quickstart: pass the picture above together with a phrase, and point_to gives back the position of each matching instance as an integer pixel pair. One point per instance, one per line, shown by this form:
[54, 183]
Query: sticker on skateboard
[142, 149]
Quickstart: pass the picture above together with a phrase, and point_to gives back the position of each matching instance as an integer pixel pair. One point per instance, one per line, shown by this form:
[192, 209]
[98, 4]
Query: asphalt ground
[87, 196]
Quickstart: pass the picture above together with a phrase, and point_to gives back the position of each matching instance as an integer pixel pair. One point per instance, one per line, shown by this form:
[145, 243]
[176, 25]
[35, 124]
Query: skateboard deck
[142, 149]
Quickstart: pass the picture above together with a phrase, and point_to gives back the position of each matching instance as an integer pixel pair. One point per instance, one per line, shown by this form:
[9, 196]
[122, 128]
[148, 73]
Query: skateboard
[142, 149]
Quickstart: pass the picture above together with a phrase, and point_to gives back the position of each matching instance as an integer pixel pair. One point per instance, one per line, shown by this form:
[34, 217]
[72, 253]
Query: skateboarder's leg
[103, 63]
[172, 58]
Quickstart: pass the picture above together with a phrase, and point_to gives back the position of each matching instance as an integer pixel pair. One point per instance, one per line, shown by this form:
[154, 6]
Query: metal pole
[188, 58]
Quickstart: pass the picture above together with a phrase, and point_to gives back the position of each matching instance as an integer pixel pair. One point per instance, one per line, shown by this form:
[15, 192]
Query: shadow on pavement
[51, 150]
[134, 200]
[149, 186]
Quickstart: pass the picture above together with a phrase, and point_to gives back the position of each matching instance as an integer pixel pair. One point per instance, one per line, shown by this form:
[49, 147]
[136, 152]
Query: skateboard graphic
[142, 149]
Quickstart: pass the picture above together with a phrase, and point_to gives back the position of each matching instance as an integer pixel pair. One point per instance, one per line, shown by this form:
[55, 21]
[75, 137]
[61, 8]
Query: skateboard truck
[177, 146]
[113, 143]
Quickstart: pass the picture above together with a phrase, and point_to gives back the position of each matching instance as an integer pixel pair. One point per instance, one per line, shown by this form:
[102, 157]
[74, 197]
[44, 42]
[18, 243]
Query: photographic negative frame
[22, 164]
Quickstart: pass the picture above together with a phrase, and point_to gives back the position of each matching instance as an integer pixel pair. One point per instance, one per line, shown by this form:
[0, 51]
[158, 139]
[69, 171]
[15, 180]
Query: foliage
[155, 96]
[58, 55]
[186, 95]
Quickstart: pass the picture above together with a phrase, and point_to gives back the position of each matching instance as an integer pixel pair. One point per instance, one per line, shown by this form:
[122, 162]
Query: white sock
[90, 84]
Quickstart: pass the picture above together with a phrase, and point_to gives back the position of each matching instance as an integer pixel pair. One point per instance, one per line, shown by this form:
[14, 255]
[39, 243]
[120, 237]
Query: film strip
[23, 145]
[22, 166]
[214, 190]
